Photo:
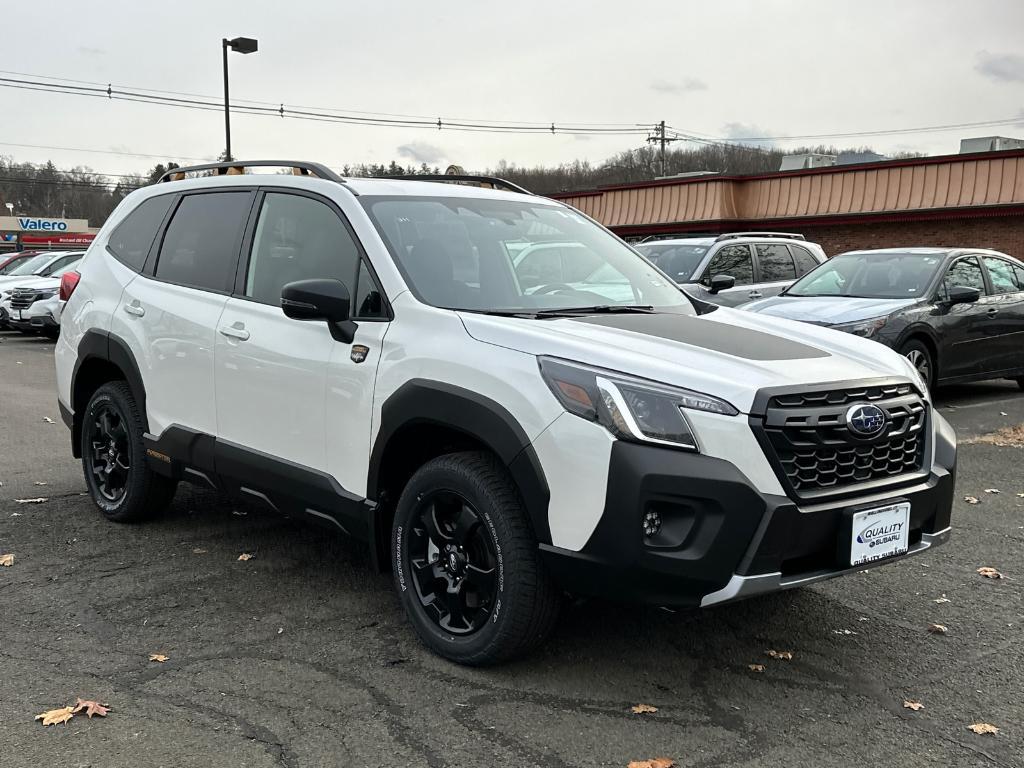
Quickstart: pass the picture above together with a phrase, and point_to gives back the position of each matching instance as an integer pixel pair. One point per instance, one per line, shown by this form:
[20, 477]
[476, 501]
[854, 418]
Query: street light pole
[241, 45]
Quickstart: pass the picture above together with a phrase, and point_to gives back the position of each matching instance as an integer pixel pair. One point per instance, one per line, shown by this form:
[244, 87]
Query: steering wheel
[551, 288]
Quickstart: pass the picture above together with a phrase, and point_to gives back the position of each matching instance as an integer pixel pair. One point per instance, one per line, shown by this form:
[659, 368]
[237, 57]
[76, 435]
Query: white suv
[363, 354]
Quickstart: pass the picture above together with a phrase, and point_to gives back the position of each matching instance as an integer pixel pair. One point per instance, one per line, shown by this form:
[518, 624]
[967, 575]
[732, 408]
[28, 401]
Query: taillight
[68, 283]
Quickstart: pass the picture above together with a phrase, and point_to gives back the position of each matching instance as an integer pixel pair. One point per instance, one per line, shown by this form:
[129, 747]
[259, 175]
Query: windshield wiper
[600, 309]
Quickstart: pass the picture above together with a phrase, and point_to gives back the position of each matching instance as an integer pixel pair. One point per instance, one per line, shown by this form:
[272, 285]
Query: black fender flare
[103, 345]
[920, 329]
[421, 401]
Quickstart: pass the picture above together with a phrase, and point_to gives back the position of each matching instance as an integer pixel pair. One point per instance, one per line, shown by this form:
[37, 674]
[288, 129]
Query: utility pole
[660, 137]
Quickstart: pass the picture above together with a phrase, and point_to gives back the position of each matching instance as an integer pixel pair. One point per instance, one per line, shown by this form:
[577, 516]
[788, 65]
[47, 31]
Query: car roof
[924, 251]
[682, 241]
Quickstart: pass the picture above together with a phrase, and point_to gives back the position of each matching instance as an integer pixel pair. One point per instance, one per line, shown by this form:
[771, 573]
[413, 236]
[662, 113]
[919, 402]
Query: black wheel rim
[920, 361]
[108, 457]
[453, 562]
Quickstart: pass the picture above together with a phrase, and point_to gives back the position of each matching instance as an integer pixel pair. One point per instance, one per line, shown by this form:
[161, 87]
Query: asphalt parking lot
[301, 656]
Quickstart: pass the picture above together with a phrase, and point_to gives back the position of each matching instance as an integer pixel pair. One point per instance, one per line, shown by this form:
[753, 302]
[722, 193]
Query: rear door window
[131, 239]
[805, 260]
[200, 247]
[775, 262]
[1002, 276]
[731, 260]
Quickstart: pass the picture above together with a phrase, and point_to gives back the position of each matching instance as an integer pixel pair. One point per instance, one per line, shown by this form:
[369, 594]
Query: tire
[921, 357]
[509, 604]
[120, 482]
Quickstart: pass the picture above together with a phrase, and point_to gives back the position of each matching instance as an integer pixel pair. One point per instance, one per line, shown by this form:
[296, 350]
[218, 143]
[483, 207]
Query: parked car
[11, 260]
[362, 354]
[956, 313]
[735, 268]
[33, 305]
[40, 265]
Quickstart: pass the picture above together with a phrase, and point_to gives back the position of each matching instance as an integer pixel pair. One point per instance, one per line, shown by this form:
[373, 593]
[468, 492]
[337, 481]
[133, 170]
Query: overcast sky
[724, 69]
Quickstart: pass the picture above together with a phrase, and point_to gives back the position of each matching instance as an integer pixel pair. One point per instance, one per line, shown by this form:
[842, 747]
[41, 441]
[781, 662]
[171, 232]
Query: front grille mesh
[23, 298]
[817, 454]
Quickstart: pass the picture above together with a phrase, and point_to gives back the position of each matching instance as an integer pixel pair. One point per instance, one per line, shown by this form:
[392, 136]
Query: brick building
[950, 200]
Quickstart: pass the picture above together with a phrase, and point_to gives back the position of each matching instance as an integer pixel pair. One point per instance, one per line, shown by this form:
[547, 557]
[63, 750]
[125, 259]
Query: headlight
[864, 328]
[47, 294]
[630, 408]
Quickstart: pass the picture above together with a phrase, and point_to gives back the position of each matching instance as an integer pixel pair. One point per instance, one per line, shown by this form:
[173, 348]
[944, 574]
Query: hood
[827, 310]
[29, 281]
[727, 353]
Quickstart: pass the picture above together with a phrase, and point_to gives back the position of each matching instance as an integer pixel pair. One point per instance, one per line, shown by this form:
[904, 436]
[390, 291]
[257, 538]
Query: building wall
[1004, 234]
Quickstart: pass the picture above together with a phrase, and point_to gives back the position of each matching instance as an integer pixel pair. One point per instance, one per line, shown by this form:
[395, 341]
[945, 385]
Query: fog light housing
[652, 523]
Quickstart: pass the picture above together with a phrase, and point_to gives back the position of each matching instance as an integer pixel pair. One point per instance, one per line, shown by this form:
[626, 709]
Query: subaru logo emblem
[865, 420]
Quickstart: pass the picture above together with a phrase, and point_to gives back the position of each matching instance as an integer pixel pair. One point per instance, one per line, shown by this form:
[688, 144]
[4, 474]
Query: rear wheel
[921, 358]
[114, 458]
[466, 564]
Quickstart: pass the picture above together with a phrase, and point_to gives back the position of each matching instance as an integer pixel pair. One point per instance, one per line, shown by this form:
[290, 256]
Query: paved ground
[301, 656]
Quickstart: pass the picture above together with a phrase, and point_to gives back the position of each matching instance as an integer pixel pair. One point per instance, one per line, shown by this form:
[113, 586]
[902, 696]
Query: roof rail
[494, 181]
[734, 235]
[237, 167]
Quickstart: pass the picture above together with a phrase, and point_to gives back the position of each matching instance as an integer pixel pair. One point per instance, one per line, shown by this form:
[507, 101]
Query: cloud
[422, 152]
[746, 133]
[686, 85]
[1001, 67]
[85, 49]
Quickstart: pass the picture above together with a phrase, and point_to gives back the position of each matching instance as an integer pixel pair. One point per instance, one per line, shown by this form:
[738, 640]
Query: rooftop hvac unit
[989, 144]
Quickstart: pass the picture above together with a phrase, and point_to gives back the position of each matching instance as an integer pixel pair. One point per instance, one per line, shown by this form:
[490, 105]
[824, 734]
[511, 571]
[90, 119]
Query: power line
[103, 152]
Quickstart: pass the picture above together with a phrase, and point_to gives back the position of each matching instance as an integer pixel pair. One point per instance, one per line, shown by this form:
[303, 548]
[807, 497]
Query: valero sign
[40, 225]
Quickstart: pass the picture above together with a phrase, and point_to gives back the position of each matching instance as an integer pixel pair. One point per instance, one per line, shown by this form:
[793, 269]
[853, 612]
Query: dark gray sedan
[956, 313]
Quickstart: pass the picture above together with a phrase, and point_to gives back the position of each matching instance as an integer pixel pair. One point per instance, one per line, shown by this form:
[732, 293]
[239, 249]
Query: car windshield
[679, 260]
[30, 266]
[66, 268]
[515, 257]
[870, 276]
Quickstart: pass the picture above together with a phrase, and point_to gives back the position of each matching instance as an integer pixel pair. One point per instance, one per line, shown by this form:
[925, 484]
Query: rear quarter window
[804, 259]
[131, 240]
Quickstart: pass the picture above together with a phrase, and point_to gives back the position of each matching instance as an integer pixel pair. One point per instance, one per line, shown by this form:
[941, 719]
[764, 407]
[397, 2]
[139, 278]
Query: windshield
[508, 256]
[29, 266]
[679, 260]
[870, 276]
[66, 268]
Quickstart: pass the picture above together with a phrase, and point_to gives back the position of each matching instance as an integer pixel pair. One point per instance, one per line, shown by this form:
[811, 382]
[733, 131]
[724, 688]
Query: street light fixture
[239, 45]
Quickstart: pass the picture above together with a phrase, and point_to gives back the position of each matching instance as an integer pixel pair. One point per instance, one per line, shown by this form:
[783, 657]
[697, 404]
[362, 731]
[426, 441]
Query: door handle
[135, 309]
[755, 294]
[236, 331]
[991, 311]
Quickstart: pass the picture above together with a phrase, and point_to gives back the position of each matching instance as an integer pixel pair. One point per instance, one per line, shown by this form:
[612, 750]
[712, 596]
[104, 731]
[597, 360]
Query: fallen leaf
[654, 762]
[938, 629]
[245, 556]
[941, 600]
[7, 560]
[1019, 495]
[843, 632]
[914, 705]
[91, 708]
[784, 655]
[57, 716]
[39, 500]
[199, 551]
[643, 709]
[755, 667]
[39, 482]
[992, 490]
[990, 573]
[158, 657]
[971, 499]
[981, 728]
[1003, 413]
[48, 420]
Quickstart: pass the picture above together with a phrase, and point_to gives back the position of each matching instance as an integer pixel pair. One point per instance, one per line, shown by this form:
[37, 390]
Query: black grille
[23, 298]
[815, 453]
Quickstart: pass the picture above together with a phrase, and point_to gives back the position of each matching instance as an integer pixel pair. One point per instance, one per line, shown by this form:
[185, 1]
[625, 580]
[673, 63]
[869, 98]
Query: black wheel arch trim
[423, 401]
[103, 345]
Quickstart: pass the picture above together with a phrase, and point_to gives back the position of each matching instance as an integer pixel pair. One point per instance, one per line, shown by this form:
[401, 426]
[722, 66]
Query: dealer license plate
[880, 533]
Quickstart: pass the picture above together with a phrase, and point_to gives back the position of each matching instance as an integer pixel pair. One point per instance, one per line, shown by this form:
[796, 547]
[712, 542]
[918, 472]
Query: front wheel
[466, 565]
[921, 358]
[114, 457]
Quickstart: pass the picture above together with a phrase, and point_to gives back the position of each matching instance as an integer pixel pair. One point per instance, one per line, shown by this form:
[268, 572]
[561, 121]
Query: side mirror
[961, 294]
[721, 283]
[320, 299]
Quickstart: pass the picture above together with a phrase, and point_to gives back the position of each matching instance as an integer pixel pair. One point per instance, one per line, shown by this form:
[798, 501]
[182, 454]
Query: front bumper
[721, 539]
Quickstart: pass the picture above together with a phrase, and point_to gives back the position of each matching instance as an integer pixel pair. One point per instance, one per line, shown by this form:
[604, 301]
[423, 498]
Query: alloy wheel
[453, 562]
[921, 362]
[109, 458]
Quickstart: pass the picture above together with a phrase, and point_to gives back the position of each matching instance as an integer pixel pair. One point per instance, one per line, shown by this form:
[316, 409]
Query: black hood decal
[708, 334]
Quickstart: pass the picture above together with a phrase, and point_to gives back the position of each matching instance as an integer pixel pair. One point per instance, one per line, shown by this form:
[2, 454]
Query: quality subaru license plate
[880, 533]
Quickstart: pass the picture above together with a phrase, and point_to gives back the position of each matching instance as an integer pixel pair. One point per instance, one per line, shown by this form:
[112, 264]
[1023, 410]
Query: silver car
[735, 268]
